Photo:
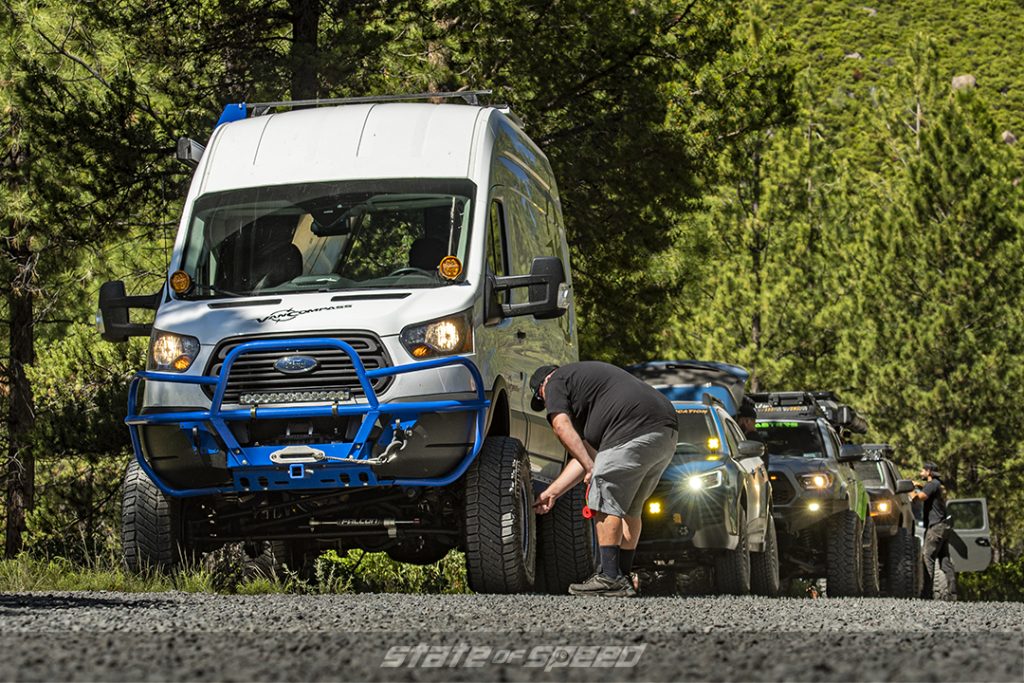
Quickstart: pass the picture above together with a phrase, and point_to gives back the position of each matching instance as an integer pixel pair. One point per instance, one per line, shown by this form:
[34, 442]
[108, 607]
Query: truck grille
[254, 374]
[782, 490]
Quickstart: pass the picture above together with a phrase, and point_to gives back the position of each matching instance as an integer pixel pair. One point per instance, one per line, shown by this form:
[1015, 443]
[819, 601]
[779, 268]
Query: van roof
[350, 142]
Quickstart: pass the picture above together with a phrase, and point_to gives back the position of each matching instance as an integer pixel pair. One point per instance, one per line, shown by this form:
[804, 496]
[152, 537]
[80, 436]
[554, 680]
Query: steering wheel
[409, 270]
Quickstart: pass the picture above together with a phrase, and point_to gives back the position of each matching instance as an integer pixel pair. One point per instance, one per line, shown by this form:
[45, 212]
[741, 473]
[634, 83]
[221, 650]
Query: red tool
[587, 512]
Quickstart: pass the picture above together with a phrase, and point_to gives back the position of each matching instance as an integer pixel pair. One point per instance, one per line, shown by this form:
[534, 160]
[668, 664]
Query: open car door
[970, 546]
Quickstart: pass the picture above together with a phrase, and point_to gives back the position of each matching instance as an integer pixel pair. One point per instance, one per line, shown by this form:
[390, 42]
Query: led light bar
[263, 398]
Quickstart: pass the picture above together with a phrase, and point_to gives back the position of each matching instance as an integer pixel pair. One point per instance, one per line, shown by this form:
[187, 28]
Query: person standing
[621, 434]
[937, 530]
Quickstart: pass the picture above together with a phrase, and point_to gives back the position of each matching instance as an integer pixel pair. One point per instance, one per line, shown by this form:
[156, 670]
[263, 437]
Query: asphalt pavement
[194, 637]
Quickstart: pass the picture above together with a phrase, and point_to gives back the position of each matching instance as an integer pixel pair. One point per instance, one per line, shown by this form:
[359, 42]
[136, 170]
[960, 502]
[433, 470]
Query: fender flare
[498, 412]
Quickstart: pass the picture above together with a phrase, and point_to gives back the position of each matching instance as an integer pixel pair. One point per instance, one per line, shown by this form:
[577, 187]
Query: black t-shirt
[934, 504]
[607, 405]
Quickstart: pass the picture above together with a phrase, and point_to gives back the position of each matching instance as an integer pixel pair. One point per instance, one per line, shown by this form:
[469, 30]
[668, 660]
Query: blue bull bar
[318, 466]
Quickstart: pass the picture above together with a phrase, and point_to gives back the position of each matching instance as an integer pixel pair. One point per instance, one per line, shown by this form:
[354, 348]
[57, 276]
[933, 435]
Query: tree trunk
[305, 48]
[21, 466]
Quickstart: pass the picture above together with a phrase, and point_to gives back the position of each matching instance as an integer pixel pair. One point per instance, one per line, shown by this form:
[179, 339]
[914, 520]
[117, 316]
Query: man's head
[746, 416]
[929, 470]
[537, 382]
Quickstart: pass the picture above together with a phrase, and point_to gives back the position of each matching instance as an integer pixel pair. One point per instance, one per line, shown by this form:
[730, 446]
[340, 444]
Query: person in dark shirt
[746, 418]
[621, 435]
[937, 530]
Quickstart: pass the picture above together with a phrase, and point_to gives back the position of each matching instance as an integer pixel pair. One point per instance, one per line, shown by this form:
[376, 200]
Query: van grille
[254, 373]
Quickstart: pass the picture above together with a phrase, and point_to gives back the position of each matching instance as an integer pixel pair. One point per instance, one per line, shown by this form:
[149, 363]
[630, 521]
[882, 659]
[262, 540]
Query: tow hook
[397, 445]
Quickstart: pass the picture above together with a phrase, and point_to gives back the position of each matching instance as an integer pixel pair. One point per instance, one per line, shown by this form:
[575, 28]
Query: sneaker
[604, 586]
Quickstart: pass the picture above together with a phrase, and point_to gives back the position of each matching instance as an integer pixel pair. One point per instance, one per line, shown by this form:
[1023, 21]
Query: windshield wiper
[213, 291]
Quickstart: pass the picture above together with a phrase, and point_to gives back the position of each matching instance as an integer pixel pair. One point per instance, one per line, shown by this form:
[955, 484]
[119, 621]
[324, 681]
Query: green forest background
[796, 187]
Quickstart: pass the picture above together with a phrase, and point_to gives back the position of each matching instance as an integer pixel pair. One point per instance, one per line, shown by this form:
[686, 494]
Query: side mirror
[189, 152]
[549, 295]
[904, 486]
[751, 449]
[113, 321]
[851, 452]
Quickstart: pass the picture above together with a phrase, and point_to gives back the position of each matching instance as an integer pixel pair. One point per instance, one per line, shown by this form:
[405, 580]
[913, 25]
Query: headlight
[443, 337]
[816, 480]
[702, 482]
[882, 506]
[171, 352]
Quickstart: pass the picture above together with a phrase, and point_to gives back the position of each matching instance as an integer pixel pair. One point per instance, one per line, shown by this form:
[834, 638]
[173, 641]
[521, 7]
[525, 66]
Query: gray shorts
[625, 476]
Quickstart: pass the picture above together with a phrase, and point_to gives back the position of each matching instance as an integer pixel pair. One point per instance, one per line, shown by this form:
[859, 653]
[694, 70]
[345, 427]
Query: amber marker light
[181, 282]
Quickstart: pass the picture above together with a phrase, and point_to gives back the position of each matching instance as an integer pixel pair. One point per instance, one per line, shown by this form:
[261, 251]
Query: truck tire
[844, 556]
[869, 560]
[764, 566]
[151, 537]
[732, 567]
[500, 525]
[566, 547]
[901, 570]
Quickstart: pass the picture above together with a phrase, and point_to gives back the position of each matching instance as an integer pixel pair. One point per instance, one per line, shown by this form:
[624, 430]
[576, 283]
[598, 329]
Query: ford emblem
[296, 365]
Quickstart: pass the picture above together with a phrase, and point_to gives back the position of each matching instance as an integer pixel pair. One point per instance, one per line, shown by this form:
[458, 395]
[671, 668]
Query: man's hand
[545, 501]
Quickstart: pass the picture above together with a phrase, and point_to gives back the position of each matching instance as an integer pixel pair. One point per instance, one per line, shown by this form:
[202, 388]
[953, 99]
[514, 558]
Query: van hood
[383, 312]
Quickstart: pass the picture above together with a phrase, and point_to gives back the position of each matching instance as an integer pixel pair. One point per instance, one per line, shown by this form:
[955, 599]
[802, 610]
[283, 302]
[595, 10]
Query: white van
[340, 355]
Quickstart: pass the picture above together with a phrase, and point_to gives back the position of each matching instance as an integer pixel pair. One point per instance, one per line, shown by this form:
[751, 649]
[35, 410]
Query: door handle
[983, 542]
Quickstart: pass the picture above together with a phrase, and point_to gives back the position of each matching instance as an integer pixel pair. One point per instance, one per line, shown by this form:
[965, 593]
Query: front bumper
[688, 524]
[358, 458]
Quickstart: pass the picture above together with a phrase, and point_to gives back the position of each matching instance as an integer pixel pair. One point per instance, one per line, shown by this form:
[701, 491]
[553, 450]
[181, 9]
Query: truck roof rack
[776, 404]
[240, 110]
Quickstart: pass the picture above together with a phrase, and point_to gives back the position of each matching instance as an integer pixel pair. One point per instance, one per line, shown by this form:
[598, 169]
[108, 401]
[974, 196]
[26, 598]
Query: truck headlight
[443, 337]
[816, 480]
[882, 507]
[702, 482]
[171, 352]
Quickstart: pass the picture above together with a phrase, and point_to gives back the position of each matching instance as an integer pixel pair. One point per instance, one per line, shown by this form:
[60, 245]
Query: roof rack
[240, 110]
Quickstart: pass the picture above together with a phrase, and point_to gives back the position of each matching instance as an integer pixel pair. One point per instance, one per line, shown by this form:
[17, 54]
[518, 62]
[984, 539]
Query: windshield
[801, 439]
[695, 428]
[327, 236]
[870, 473]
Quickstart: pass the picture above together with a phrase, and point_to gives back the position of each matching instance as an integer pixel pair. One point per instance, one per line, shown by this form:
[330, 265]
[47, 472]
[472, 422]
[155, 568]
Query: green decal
[777, 424]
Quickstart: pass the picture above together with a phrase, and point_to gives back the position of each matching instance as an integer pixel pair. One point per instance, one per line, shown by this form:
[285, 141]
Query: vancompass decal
[291, 313]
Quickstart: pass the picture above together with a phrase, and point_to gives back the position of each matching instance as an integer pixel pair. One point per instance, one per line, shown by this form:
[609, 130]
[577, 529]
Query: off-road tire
[150, 524]
[764, 566]
[732, 567]
[566, 547]
[500, 525]
[869, 560]
[902, 565]
[844, 555]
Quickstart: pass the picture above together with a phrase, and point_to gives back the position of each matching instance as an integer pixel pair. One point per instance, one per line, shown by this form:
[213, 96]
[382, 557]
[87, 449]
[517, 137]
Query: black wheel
[869, 560]
[418, 551]
[845, 555]
[151, 535]
[764, 566]
[902, 565]
[500, 524]
[732, 567]
[566, 546]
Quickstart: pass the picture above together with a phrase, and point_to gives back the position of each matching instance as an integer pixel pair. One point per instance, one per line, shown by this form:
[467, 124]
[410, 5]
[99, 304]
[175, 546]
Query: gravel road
[177, 636]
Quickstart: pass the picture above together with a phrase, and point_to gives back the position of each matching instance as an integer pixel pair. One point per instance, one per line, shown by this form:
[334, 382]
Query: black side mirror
[113, 320]
[904, 486]
[851, 452]
[189, 152]
[548, 297]
[751, 449]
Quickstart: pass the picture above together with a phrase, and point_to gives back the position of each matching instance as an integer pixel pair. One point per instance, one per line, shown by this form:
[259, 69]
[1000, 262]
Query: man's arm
[571, 475]
[572, 441]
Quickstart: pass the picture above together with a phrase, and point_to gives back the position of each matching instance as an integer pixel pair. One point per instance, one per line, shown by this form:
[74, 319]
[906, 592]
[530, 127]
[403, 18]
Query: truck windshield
[695, 428]
[328, 236]
[787, 437]
[869, 472]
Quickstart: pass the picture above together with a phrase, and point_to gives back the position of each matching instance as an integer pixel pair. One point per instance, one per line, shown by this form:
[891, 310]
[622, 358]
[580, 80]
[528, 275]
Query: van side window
[497, 251]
